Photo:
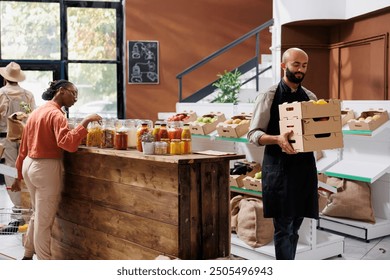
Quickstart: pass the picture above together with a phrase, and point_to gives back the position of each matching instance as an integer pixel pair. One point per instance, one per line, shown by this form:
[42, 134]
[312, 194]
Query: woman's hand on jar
[91, 118]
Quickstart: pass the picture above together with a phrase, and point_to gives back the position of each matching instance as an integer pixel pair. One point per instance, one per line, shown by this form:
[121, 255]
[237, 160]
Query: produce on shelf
[207, 123]
[183, 117]
[235, 127]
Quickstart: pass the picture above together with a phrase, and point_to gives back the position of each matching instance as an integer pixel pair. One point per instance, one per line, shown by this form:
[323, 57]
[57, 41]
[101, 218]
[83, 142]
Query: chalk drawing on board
[143, 62]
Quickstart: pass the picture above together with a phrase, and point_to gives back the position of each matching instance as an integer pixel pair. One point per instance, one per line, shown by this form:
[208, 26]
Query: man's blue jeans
[286, 237]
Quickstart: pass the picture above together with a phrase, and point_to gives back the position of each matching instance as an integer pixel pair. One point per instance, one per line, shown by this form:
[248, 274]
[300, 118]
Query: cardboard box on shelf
[369, 120]
[315, 142]
[308, 109]
[346, 115]
[204, 128]
[232, 130]
[237, 180]
[311, 125]
[251, 183]
[185, 117]
[235, 127]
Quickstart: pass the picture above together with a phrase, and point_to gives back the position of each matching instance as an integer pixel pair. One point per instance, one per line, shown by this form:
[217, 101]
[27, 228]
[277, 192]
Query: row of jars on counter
[167, 137]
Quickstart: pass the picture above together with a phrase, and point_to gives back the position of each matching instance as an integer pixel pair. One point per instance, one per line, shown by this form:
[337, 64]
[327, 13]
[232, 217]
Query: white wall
[289, 11]
[360, 7]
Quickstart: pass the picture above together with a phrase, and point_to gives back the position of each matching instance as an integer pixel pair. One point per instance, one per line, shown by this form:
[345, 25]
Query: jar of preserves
[186, 133]
[174, 131]
[175, 147]
[95, 135]
[121, 140]
[163, 135]
[160, 148]
[143, 128]
[131, 126]
[156, 130]
[186, 147]
[108, 134]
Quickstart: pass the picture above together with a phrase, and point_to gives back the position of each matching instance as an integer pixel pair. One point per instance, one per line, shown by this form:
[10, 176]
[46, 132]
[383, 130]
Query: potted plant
[229, 85]
[147, 140]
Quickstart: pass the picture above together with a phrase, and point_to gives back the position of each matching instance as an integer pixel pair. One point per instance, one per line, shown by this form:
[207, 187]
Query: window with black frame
[81, 41]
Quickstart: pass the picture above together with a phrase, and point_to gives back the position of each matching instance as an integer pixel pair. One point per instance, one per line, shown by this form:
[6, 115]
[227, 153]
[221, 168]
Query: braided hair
[54, 86]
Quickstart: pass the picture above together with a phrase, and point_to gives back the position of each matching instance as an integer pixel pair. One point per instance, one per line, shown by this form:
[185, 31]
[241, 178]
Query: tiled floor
[355, 249]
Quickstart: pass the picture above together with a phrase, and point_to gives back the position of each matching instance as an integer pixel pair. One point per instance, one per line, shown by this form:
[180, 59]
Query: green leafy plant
[229, 86]
[147, 137]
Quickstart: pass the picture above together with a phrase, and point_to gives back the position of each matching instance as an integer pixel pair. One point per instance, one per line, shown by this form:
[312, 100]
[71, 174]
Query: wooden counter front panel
[132, 208]
[204, 210]
[115, 200]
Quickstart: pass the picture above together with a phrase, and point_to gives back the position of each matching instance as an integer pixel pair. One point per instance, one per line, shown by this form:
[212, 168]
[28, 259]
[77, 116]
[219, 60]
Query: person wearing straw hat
[12, 96]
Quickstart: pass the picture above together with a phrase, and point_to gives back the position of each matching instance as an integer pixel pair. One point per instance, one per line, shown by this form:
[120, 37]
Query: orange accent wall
[188, 31]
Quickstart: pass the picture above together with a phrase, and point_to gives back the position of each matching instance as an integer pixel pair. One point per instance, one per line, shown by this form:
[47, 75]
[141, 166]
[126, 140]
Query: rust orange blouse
[47, 135]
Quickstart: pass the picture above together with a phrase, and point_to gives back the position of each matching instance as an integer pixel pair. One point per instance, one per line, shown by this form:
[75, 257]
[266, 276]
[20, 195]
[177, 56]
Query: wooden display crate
[346, 115]
[206, 128]
[308, 109]
[251, 183]
[185, 117]
[367, 121]
[316, 142]
[311, 125]
[230, 128]
[237, 180]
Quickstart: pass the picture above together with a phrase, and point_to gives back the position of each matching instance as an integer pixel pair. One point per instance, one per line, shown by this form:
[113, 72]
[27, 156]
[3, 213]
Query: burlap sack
[322, 199]
[322, 194]
[352, 200]
[252, 227]
[234, 209]
[15, 125]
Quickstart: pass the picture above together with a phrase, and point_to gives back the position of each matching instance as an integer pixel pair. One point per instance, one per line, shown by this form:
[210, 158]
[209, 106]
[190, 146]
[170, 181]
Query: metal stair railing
[245, 67]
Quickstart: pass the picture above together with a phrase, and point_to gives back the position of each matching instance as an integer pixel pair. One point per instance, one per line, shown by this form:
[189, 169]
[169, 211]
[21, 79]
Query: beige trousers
[44, 180]
[10, 155]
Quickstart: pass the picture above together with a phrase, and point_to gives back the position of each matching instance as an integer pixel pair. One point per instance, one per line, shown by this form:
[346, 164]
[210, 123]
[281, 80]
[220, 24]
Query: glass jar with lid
[186, 145]
[175, 129]
[143, 128]
[160, 148]
[175, 147]
[108, 133]
[95, 135]
[156, 130]
[121, 138]
[131, 126]
[163, 135]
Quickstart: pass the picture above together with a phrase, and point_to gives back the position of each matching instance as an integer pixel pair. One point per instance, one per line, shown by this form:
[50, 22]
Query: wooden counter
[126, 205]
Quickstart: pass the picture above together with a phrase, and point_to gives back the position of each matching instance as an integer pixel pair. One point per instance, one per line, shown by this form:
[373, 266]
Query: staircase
[254, 77]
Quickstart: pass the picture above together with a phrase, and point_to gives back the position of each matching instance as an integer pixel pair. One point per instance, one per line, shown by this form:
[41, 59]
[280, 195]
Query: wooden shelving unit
[365, 157]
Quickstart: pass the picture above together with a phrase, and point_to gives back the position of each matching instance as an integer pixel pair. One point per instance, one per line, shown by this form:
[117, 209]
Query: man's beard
[291, 76]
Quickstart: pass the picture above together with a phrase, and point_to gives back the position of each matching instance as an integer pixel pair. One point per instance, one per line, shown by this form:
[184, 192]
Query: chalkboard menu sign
[143, 62]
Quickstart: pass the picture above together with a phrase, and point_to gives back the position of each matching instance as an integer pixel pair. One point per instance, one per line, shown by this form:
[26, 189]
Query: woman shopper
[45, 137]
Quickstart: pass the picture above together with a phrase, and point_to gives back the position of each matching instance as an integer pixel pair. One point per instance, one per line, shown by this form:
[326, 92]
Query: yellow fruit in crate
[236, 121]
[258, 175]
[321, 102]
[229, 121]
[368, 119]
[375, 117]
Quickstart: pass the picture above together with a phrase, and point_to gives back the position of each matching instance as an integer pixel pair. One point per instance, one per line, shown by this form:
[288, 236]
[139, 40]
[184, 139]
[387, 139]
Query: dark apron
[289, 181]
